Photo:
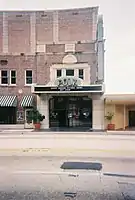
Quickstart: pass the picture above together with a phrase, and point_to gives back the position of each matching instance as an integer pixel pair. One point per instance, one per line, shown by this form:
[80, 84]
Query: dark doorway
[62, 118]
[7, 115]
[70, 112]
[132, 118]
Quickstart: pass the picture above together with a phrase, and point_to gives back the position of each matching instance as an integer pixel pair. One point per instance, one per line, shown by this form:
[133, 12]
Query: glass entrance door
[80, 112]
[70, 112]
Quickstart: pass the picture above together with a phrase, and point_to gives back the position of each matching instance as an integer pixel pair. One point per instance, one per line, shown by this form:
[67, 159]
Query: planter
[37, 126]
[111, 127]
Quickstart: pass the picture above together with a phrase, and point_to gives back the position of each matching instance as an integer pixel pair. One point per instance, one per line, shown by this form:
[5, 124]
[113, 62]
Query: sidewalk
[11, 131]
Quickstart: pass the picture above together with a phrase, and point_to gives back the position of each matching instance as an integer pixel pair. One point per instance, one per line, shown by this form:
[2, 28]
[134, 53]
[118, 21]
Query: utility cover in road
[82, 165]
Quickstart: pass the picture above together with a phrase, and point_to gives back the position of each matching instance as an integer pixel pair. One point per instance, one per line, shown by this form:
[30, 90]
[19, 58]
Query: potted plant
[109, 117]
[36, 117]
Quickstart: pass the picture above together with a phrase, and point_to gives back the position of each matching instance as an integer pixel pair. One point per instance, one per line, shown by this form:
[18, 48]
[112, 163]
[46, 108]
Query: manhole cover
[70, 195]
[82, 165]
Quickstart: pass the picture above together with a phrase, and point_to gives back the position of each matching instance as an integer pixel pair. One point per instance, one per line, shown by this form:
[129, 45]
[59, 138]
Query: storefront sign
[67, 83]
[94, 88]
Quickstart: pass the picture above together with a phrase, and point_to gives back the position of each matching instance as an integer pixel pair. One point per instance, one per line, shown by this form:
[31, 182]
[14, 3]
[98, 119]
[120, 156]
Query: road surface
[40, 177]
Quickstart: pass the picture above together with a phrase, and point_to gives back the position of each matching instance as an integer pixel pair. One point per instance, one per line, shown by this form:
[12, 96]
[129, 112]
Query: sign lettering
[68, 82]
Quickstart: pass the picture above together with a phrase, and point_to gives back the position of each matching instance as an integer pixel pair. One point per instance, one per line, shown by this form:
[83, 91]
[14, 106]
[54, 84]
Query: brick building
[37, 49]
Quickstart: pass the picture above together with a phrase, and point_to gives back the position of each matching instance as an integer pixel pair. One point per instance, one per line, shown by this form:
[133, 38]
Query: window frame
[57, 74]
[28, 84]
[72, 70]
[2, 76]
[13, 77]
[81, 75]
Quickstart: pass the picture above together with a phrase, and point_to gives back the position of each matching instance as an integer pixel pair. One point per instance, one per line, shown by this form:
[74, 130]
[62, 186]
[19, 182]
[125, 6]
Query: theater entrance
[70, 112]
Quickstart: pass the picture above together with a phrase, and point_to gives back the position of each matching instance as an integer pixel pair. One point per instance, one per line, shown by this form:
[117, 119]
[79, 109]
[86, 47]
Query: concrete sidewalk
[11, 131]
[72, 135]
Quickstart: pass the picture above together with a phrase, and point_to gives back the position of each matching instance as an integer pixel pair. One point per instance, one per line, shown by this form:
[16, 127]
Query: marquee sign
[68, 83]
[91, 88]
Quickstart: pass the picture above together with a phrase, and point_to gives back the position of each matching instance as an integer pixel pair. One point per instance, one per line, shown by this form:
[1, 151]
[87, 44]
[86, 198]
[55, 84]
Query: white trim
[67, 92]
[69, 47]
[35, 85]
[76, 73]
[25, 77]
[85, 66]
[71, 66]
[10, 77]
[63, 72]
[67, 42]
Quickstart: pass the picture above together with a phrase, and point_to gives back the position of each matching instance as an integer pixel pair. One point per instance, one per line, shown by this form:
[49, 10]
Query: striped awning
[8, 101]
[27, 101]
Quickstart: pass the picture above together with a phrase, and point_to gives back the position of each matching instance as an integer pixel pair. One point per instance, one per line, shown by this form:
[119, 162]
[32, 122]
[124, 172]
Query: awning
[120, 98]
[8, 101]
[27, 101]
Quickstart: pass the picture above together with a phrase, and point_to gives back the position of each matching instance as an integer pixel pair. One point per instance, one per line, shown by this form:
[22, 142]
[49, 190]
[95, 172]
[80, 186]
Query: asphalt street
[40, 177]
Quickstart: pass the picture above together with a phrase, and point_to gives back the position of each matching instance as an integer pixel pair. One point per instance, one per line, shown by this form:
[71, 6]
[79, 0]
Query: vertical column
[100, 49]
[76, 74]
[5, 32]
[124, 124]
[94, 24]
[33, 32]
[38, 102]
[44, 110]
[55, 27]
[98, 114]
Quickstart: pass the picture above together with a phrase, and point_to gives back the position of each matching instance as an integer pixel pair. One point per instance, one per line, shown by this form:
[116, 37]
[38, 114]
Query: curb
[67, 136]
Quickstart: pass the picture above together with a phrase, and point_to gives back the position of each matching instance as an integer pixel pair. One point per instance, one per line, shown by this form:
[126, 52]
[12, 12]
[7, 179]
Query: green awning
[8, 101]
[27, 101]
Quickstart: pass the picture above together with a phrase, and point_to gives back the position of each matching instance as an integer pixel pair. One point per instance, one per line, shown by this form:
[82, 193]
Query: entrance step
[80, 129]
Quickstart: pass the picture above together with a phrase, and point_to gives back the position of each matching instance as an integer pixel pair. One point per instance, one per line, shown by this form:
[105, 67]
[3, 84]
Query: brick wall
[55, 48]
[19, 32]
[1, 31]
[20, 64]
[73, 25]
[43, 69]
[44, 27]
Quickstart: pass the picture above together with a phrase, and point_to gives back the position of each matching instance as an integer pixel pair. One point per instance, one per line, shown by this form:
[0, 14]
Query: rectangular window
[28, 77]
[58, 73]
[69, 72]
[4, 77]
[13, 77]
[81, 73]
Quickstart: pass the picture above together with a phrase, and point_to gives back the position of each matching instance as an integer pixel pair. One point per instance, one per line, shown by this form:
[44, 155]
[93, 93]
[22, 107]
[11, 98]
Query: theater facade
[69, 101]
[52, 59]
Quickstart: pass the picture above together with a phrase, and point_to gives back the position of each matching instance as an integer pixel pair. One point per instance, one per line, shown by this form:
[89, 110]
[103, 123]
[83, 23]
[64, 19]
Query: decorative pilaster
[5, 32]
[33, 32]
[44, 110]
[55, 27]
[98, 114]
